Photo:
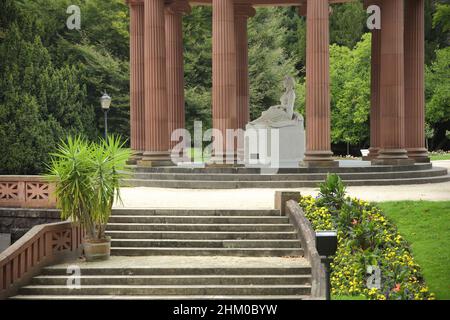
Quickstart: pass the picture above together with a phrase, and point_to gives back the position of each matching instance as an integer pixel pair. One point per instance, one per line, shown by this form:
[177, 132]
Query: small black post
[327, 266]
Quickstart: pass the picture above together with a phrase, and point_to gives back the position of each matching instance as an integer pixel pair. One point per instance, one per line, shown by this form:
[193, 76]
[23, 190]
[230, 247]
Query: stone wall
[17, 221]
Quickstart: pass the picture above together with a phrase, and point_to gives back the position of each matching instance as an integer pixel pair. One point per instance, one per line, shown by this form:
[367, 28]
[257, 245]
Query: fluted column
[414, 80]
[175, 66]
[392, 86]
[375, 95]
[224, 110]
[242, 13]
[156, 128]
[137, 79]
[318, 140]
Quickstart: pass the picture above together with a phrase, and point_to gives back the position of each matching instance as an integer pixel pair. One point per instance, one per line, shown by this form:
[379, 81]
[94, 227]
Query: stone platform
[353, 172]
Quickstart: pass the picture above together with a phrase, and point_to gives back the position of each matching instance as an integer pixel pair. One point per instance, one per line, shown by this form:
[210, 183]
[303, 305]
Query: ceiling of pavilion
[268, 2]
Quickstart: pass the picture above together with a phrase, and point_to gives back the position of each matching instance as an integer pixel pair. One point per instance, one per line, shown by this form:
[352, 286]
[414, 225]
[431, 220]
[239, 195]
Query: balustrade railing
[26, 192]
[41, 246]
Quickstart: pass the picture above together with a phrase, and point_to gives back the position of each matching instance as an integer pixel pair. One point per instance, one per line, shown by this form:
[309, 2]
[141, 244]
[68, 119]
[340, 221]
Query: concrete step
[179, 243]
[307, 176]
[177, 280]
[182, 290]
[242, 170]
[199, 219]
[194, 184]
[143, 297]
[192, 235]
[180, 271]
[240, 252]
[226, 227]
[191, 212]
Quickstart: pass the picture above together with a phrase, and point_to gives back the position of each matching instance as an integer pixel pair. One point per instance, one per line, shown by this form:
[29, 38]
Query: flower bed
[365, 238]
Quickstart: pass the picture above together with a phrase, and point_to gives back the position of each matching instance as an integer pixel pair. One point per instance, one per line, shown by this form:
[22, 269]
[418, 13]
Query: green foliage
[442, 17]
[87, 180]
[350, 92]
[347, 23]
[332, 193]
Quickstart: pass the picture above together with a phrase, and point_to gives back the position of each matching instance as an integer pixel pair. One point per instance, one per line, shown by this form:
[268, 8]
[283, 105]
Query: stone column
[175, 66]
[242, 13]
[375, 95]
[156, 129]
[224, 110]
[392, 86]
[318, 140]
[414, 80]
[137, 79]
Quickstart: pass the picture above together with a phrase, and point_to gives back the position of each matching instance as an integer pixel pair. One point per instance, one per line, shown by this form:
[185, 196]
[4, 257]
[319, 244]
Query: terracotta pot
[97, 250]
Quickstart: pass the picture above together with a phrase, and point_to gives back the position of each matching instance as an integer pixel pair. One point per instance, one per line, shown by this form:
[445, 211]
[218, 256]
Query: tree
[438, 96]
[350, 92]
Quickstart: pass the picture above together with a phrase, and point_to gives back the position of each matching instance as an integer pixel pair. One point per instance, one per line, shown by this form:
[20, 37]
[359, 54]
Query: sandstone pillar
[375, 95]
[318, 140]
[224, 110]
[414, 80]
[137, 79]
[156, 128]
[175, 66]
[242, 13]
[392, 86]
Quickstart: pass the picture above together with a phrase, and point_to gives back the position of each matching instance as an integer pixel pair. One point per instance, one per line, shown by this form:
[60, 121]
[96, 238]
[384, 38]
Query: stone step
[194, 184]
[177, 280]
[242, 170]
[180, 271]
[191, 212]
[307, 176]
[191, 235]
[199, 219]
[182, 290]
[169, 243]
[143, 297]
[229, 227]
[195, 251]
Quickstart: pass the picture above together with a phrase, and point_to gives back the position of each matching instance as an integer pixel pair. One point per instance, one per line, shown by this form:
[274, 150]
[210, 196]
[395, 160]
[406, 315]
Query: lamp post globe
[105, 102]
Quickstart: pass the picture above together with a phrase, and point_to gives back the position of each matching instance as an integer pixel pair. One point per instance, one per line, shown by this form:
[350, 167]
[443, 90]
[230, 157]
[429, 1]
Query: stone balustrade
[26, 192]
[43, 245]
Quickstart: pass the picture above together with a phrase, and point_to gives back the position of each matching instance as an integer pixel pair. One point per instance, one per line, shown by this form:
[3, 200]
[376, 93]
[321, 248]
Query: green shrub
[87, 180]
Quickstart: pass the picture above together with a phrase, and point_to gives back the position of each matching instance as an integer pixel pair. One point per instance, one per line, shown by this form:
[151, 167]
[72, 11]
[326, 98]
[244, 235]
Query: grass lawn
[426, 226]
[440, 157]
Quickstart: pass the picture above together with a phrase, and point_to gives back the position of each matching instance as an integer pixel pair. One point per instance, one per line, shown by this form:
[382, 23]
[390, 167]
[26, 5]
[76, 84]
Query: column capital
[178, 7]
[244, 10]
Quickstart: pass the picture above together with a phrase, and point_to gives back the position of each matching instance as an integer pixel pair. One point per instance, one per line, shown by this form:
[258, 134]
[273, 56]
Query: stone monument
[277, 138]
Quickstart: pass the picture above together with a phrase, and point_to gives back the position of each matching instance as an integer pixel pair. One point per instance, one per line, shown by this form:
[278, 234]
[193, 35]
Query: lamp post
[326, 245]
[105, 101]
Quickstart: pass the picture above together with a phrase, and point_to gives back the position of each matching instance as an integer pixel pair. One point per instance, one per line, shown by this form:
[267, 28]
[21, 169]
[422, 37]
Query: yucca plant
[87, 178]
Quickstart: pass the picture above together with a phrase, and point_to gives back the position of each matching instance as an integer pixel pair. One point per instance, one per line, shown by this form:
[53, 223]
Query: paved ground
[264, 198]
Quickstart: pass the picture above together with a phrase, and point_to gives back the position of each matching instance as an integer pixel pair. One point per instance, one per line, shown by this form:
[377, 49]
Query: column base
[419, 155]
[155, 159]
[392, 157]
[373, 154]
[319, 159]
[135, 157]
[219, 160]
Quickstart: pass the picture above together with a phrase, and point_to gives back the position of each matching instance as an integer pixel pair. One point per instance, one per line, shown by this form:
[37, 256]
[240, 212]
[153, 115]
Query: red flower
[397, 287]
[354, 221]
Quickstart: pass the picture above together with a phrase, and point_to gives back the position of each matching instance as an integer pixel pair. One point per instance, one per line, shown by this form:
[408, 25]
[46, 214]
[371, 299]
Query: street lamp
[105, 101]
[326, 245]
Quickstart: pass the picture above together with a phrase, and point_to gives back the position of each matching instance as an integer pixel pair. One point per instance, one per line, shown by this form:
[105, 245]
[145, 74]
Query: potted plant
[86, 177]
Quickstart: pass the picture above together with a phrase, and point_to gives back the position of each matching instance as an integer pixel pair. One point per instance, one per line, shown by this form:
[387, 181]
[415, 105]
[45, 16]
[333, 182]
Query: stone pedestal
[268, 147]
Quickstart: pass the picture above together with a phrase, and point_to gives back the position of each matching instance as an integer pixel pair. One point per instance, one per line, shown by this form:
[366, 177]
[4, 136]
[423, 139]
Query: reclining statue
[281, 115]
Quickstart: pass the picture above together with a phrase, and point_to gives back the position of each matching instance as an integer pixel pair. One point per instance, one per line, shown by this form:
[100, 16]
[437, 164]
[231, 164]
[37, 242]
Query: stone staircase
[188, 254]
[360, 173]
